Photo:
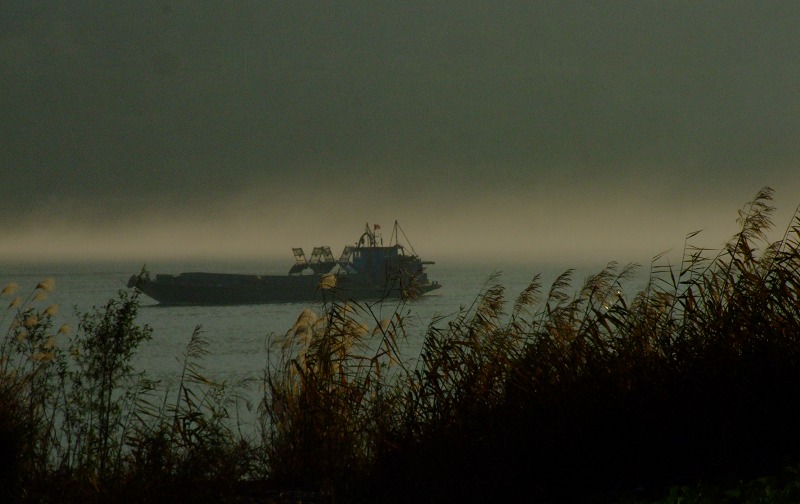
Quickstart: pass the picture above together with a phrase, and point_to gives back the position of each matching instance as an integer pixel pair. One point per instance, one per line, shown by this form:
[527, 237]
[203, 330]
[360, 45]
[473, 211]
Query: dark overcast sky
[530, 129]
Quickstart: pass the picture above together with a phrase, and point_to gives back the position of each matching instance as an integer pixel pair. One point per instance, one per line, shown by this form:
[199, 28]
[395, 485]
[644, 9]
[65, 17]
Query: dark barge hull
[366, 271]
[233, 289]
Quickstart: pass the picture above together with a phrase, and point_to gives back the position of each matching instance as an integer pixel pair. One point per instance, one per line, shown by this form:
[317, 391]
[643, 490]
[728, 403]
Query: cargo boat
[364, 271]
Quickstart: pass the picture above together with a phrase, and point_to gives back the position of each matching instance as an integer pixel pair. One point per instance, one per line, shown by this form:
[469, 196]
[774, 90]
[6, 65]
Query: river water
[237, 335]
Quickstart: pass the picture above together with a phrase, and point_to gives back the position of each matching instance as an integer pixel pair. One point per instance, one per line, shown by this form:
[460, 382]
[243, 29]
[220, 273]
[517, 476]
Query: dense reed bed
[570, 393]
[78, 424]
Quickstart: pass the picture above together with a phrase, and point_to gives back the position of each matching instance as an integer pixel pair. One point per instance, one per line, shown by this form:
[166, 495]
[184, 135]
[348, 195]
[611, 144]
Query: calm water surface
[238, 335]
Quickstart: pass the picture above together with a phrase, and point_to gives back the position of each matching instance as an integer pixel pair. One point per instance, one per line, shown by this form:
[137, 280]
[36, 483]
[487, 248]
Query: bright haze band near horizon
[528, 131]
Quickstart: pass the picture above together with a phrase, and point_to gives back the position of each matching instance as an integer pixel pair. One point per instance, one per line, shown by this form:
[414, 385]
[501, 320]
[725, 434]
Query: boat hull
[233, 289]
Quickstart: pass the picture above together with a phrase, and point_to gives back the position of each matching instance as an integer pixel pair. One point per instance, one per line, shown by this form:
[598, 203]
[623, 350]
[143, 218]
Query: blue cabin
[377, 262]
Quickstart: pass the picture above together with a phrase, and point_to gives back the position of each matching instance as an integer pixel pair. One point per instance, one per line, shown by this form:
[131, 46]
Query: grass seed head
[11, 288]
[327, 282]
[46, 285]
[381, 327]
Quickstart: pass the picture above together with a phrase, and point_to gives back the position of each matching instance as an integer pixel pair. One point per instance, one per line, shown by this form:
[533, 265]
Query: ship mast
[395, 234]
[368, 238]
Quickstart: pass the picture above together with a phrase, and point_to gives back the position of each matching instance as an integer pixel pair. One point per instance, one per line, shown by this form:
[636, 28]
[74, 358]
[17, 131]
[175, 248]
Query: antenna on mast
[396, 228]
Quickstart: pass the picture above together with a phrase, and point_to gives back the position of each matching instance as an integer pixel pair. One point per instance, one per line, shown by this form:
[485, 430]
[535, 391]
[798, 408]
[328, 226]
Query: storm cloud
[530, 129]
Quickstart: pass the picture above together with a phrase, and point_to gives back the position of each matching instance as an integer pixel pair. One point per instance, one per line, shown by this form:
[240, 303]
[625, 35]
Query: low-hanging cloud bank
[547, 127]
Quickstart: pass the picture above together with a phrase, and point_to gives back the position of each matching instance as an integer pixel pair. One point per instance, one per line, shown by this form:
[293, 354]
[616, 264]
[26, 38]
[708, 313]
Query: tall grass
[77, 423]
[693, 377]
[696, 376]
[576, 392]
[327, 393]
[185, 444]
